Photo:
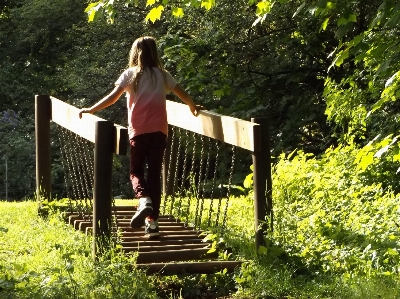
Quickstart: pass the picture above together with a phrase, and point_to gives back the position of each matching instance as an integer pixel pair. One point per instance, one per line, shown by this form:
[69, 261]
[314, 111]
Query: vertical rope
[201, 209]
[197, 217]
[166, 198]
[192, 179]
[80, 177]
[229, 186]
[60, 134]
[184, 176]
[88, 156]
[85, 184]
[213, 184]
[176, 170]
[71, 168]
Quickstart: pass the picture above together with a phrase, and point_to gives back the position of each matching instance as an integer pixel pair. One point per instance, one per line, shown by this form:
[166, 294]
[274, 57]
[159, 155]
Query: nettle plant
[340, 212]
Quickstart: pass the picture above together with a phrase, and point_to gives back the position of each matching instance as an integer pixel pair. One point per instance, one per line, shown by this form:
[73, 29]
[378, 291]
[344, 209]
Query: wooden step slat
[208, 267]
[162, 237]
[165, 247]
[135, 233]
[175, 255]
[162, 242]
[127, 225]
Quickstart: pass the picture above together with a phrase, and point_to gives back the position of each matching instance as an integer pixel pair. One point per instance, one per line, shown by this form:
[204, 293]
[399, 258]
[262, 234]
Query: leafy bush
[336, 212]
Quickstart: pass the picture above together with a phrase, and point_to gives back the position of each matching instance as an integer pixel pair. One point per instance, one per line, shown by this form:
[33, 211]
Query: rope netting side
[77, 160]
[202, 171]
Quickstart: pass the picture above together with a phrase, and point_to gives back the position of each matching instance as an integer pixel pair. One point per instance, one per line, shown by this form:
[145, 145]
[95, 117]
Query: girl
[146, 83]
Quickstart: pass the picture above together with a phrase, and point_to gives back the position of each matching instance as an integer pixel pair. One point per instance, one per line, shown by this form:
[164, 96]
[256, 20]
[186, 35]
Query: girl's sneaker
[151, 229]
[145, 209]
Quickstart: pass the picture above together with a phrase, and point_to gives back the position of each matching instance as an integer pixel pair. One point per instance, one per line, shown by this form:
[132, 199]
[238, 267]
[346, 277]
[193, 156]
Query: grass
[46, 258]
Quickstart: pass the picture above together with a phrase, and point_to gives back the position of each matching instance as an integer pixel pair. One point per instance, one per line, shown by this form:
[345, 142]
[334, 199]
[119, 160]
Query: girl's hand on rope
[84, 111]
[196, 108]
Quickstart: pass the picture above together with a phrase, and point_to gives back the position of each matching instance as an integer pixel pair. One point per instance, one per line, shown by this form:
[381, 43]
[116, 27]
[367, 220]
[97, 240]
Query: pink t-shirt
[147, 107]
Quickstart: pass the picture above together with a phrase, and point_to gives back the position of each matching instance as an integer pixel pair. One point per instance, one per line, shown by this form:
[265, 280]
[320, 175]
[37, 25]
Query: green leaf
[207, 4]
[177, 12]
[94, 10]
[91, 6]
[383, 67]
[366, 161]
[248, 181]
[352, 18]
[262, 250]
[212, 250]
[355, 41]
[263, 8]
[299, 10]
[324, 24]
[155, 14]
[341, 57]
[218, 93]
[150, 2]
[341, 21]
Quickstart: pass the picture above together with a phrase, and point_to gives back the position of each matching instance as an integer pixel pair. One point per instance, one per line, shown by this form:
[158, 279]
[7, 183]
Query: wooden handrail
[234, 131]
[67, 116]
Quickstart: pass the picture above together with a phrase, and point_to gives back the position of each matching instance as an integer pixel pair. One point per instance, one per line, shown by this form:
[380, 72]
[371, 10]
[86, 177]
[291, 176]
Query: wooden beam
[67, 116]
[228, 129]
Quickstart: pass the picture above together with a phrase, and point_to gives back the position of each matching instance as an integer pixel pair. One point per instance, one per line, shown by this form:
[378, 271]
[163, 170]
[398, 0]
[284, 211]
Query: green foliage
[338, 213]
[16, 155]
[108, 9]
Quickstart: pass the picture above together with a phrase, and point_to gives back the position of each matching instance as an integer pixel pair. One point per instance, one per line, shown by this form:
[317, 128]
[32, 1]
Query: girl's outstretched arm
[187, 99]
[108, 100]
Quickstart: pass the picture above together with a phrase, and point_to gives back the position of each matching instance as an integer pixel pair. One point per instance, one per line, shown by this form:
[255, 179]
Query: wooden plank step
[124, 224]
[162, 237]
[209, 267]
[124, 208]
[164, 229]
[162, 234]
[175, 255]
[165, 247]
[162, 242]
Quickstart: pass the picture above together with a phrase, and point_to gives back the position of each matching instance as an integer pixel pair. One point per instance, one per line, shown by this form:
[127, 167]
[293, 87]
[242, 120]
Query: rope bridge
[198, 181]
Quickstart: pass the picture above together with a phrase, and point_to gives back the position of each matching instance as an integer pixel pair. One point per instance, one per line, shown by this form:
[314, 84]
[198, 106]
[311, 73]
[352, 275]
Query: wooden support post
[262, 182]
[43, 154]
[102, 194]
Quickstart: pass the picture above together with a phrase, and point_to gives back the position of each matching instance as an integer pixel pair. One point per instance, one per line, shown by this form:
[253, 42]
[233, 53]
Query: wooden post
[43, 154]
[102, 194]
[262, 183]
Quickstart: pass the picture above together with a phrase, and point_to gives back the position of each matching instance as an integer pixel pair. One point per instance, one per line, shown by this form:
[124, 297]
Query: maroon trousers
[148, 148]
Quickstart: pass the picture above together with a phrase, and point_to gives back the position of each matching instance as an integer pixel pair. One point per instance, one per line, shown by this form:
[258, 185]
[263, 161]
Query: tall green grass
[46, 258]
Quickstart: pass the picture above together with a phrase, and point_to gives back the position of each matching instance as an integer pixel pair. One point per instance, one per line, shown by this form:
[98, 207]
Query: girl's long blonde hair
[144, 55]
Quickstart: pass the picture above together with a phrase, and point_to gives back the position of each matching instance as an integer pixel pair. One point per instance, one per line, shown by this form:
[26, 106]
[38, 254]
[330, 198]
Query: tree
[17, 150]
[364, 56]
